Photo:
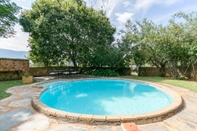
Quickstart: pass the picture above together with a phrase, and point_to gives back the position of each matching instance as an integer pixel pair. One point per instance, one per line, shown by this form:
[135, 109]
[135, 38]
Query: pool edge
[146, 118]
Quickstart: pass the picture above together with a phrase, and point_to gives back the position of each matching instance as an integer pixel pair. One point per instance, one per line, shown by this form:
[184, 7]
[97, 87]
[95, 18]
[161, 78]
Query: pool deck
[17, 114]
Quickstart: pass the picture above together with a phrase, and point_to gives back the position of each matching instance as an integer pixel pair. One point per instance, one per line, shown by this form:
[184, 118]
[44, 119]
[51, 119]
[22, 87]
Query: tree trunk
[172, 65]
[139, 70]
[74, 62]
[162, 70]
[73, 59]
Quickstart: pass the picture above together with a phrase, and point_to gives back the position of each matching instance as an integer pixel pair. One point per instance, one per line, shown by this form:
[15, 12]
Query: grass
[4, 85]
[191, 85]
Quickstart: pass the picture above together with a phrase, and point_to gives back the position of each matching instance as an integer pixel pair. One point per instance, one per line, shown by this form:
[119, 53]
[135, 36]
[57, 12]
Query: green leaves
[8, 11]
[173, 45]
[104, 72]
[67, 30]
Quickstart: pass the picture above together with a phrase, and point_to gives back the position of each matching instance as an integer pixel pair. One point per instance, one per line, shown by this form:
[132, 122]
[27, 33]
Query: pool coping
[146, 118]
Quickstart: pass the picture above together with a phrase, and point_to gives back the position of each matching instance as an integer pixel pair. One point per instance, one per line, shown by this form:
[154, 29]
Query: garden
[69, 36]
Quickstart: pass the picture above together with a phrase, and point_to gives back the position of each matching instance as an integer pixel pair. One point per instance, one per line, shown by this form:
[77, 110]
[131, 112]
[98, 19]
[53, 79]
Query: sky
[119, 11]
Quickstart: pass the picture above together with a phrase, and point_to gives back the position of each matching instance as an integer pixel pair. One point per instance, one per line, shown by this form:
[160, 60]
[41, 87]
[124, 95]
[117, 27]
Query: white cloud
[146, 4]
[126, 3]
[20, 0]
[163, 19]
[171, 2]
[108, 5]
[18, 42]
[189, 8]
[25, 4]
[24, 7]
[123, 17]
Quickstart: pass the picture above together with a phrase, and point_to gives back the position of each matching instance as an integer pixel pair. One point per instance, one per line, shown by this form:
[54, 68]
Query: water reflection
[81, 95]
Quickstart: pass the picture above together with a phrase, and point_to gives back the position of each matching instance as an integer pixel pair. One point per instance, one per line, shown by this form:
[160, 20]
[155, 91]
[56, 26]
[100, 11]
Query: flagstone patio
[17, 114]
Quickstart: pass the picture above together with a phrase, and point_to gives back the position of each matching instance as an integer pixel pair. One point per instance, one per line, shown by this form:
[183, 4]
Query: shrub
[104, 72]
[26, 74]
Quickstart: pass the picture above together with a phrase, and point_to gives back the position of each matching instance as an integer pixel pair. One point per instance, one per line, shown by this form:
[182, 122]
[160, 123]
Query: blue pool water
[104, 97]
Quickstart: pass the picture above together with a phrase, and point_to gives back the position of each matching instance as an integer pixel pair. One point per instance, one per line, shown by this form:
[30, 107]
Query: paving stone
[154, 127]
[26, 95]
[178, 89]
[3, 103]
[10, 91]
[102, 128]
[191, 107]
[6, 109]
[11, 98]
[13, 118]
[64, 127]
[38, 123]
[117, 128]
[180, 125]
[20, 103]
[187, 117]
[191, 97]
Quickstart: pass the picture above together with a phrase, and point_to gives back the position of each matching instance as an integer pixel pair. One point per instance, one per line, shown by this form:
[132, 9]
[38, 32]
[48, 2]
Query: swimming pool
[105, 97]
[106, 100]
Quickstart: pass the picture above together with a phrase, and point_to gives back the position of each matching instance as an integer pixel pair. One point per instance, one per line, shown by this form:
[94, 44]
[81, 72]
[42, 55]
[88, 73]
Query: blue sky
[119, 11]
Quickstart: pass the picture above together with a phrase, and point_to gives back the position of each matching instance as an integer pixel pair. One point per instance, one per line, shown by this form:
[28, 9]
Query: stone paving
[16, 114]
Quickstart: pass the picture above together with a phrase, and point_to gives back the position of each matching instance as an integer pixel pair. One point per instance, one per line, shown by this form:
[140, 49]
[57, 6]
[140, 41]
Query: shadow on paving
[13, 118]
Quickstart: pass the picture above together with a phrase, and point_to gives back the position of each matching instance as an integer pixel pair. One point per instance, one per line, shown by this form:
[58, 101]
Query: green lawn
[191, 85]
[7, 84]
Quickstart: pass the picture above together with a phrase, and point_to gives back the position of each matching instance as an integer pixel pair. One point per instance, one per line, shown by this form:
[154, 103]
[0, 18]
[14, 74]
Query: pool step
[129, 127]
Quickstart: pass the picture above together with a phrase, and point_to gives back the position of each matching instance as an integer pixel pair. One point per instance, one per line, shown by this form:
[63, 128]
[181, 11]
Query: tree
[66, 30]
[8, 11]
[183, 50]
[146, 41]
[173, 46]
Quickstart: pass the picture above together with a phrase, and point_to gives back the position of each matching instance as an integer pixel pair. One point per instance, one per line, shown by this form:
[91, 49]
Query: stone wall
[44, 71]
[13, 68]
[153, 71]
[149, 71]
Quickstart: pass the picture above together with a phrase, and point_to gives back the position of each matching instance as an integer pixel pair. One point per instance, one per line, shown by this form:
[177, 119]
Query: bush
[104, 72]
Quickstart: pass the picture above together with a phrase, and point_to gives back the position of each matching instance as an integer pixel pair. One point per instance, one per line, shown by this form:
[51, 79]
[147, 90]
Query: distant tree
[146, 41]
[173, 46]
[68, 30]
[183, 44]
[129, 44]
[8, 11]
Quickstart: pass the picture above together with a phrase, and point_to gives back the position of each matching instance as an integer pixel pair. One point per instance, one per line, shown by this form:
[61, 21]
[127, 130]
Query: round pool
[104, 97]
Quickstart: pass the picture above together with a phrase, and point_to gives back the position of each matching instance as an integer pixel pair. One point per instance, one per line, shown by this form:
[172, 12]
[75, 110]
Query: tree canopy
[8, 11]
[68, 30]
[145, 40]
[172, 46]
